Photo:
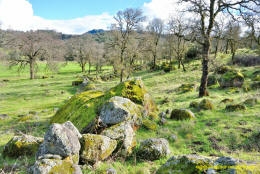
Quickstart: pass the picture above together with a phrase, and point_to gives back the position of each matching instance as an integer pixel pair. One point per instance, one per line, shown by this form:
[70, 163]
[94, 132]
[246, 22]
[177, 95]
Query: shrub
[192, 53]
[246, 58]
[166, 67]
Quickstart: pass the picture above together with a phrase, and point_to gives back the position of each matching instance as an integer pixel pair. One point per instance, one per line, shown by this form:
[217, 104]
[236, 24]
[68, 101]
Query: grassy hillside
[26, 106]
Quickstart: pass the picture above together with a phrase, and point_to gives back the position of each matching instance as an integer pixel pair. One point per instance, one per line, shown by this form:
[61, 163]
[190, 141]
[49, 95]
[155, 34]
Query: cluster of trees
[128, 45]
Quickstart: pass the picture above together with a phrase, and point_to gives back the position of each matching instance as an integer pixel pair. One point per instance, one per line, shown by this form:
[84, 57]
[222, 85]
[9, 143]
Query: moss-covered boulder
[186, 88]
[182, 114]
[206, 104]
[22, 145]
[153, 149]
[235, 107]
[96, 148]
[57, 166]
[80, 109]
[194, 104]
[83, 108]
[231, 78]
[187, 164]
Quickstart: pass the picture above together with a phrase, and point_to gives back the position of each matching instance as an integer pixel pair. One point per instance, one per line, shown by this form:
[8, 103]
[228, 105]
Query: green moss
[80, 109]
[149, 124]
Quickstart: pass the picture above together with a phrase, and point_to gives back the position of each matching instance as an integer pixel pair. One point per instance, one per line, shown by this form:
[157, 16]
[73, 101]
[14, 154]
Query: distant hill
[96, 31]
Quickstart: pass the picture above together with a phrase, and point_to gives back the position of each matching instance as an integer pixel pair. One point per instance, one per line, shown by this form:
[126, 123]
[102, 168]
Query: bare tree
[252, 20]
[208, 10]
[178, 29]
[29, 47]
[155, 29]
[232, 35]
[126, 22]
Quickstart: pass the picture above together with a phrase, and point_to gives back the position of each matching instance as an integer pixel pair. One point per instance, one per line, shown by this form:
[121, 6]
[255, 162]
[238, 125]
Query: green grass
[30, 104]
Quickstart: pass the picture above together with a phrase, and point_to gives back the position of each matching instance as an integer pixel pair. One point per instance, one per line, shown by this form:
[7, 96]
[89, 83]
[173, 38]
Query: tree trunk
[89, 67]
[32, 68]
[154, 62]
[182, 64]
[121, 75]
[83, 68]
[205, 71]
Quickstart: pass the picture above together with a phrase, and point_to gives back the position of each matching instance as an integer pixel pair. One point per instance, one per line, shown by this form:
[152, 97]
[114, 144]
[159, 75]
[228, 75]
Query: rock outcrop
[86, 105]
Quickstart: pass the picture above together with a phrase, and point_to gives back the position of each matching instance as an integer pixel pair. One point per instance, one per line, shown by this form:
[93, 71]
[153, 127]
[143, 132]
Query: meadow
[26, 107]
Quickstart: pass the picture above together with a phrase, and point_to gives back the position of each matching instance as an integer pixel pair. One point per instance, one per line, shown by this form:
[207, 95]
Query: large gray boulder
[96, 148]
[22, 145]
[57, 166]
[124, 134]
[119, 109]
[61, 140]
[153, 149]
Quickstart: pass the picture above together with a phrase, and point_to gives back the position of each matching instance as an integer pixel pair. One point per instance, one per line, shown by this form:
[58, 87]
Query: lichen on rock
[96, 147]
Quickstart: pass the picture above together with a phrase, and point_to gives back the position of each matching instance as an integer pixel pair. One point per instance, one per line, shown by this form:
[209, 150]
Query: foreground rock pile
[108, 123]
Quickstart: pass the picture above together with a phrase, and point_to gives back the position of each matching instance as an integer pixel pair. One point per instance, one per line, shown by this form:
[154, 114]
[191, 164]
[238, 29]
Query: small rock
[153, 149]
[111, 171]
[3, 116]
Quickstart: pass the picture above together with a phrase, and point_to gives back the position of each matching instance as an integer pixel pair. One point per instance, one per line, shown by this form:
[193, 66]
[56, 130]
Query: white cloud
[18, 15]
[161, 8]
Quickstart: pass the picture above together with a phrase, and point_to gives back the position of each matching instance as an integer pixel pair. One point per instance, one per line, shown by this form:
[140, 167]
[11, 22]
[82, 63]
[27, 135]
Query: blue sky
[69, 9]
[75, 16]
